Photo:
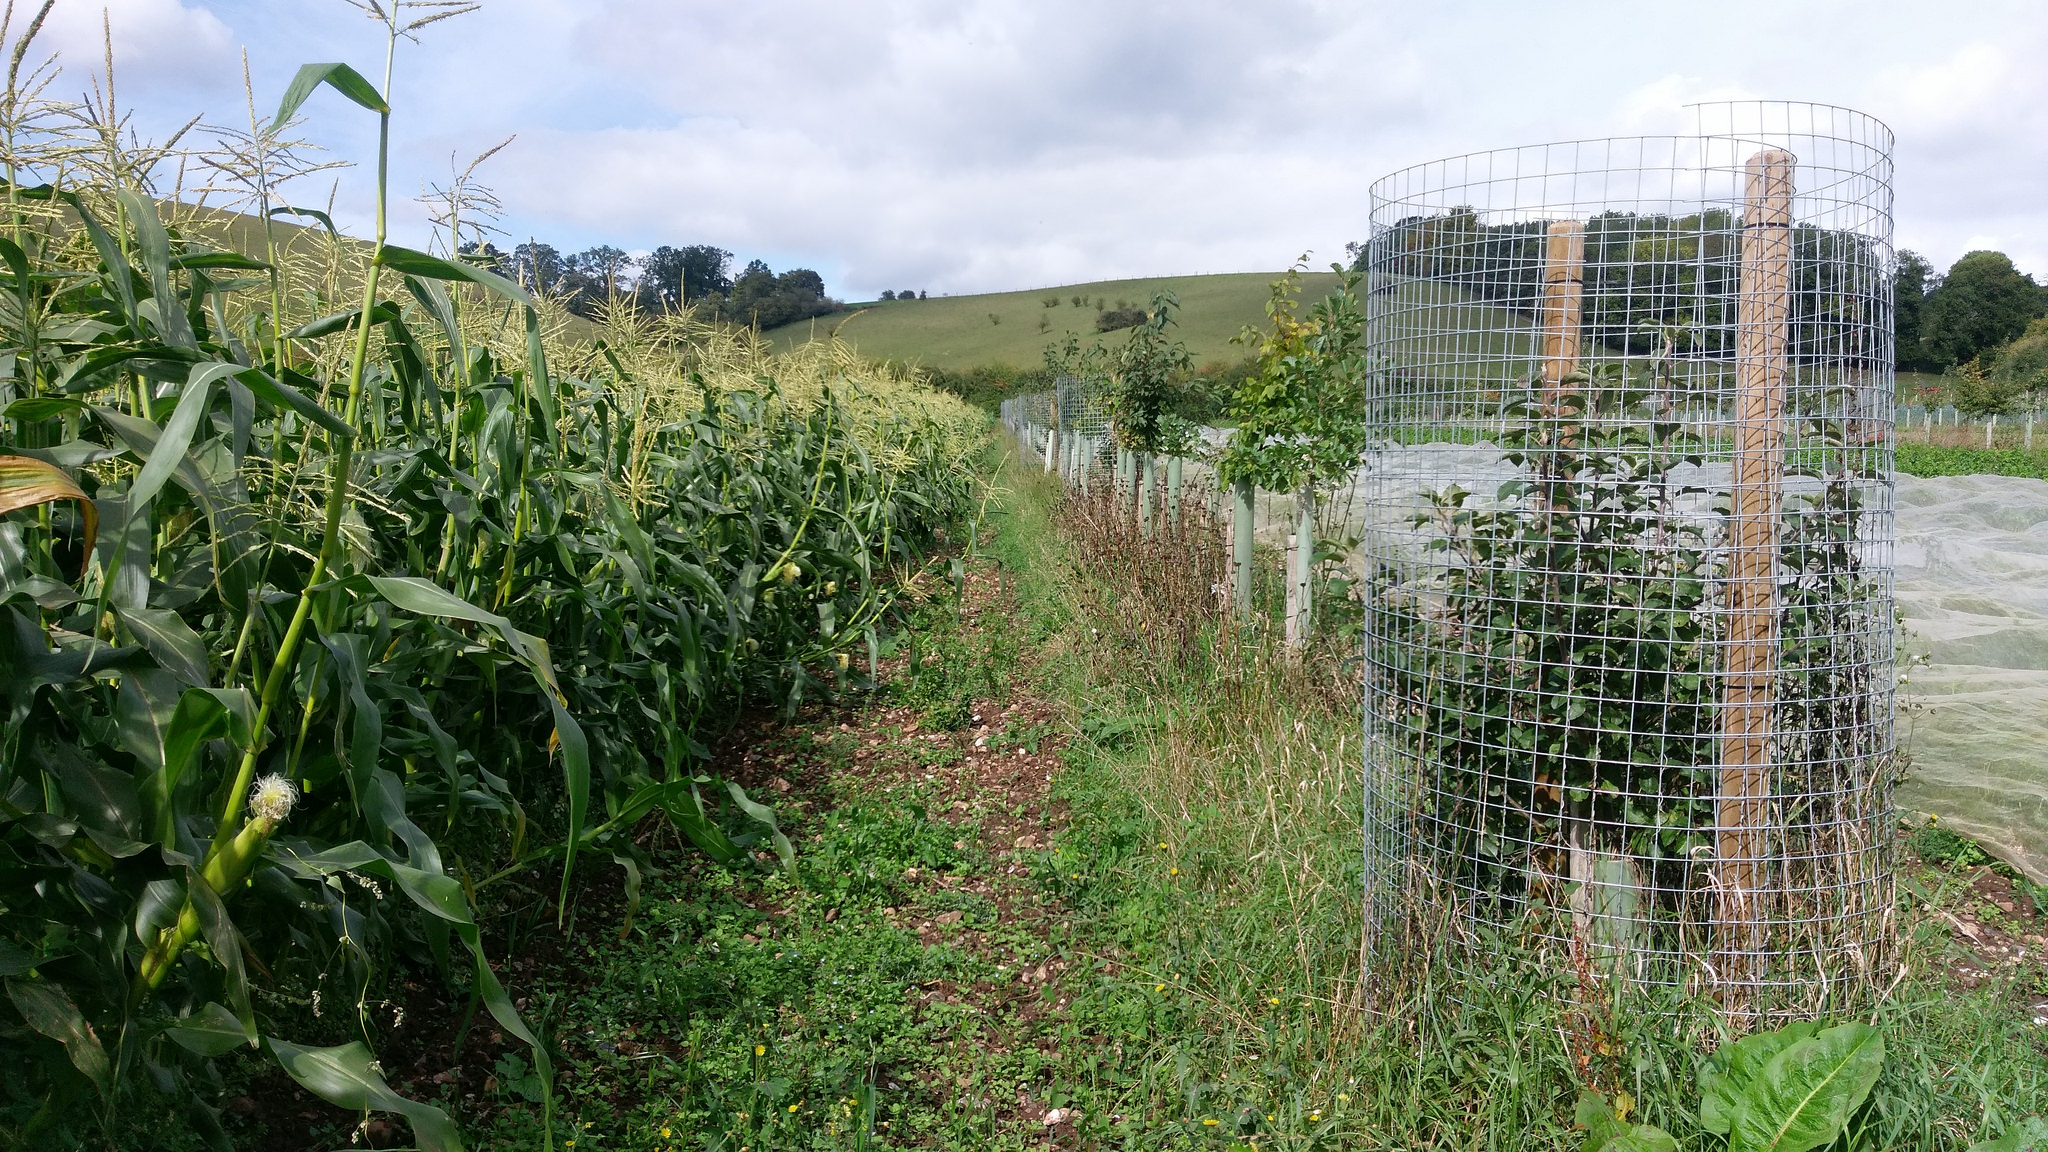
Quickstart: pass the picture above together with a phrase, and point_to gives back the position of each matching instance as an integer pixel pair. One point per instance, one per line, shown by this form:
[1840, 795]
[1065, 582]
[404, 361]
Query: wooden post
[1051, 435]
[1173, 467]
[1742, 837]
[1989, 429]
[2027, 444]
[1564, 293]
[1241, 548]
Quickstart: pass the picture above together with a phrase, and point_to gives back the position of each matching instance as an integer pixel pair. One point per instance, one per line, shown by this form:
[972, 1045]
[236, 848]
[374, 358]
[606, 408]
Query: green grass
[956, 332]
[1936, 460]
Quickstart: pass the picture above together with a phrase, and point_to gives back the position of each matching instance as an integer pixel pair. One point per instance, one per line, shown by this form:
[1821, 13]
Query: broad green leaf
[282, 395]
[1734, 1067]
[169, 450]
[1641, 1138]
[342, 321]
[765, 815]
[349, 1076]
[219, 260]
[49, 1010]
[2029, 1135]
[1596, 1116]
[1803, 1097]
[30, 409]
[211, 1031]
[166, 637]
[155, 246]
[340, 77]
[416, 263]
[309, 213]
[27, 482]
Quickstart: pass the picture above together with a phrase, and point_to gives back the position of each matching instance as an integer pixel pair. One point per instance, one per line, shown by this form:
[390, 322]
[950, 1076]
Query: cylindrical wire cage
[1628, 525]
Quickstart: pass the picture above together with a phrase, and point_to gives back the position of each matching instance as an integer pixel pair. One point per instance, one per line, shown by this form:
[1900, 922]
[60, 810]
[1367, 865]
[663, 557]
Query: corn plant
[318, 632]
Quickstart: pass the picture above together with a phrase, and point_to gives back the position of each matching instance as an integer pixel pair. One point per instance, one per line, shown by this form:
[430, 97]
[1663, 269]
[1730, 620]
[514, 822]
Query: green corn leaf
[169, 450]
[340, 77]
[155, 247]
[211, 1031]
[30, 409]
[765, 815]
[49, 1010]
[281, 395]
[348, 1076]
[169, 640]
[1803, 1097]
[219, 260]
[416, 263]
[310, 214]
[537, 379]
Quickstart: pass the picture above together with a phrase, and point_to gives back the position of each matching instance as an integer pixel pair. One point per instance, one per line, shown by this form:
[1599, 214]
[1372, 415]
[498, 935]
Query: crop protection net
[1626, 527]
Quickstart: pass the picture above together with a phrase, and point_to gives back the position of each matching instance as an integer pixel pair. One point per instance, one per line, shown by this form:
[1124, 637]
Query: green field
[1014, 327]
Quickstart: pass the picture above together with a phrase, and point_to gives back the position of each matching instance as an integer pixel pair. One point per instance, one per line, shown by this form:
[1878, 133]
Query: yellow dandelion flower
[1159, 987]
[1173, 871]
[1211, 1123]
[792, 1108]
[1343, 1098]
[760, 1049]
[1273, 1000]
[664, 1133]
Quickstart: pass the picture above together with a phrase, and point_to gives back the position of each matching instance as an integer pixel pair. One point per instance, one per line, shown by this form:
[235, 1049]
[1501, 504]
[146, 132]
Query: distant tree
[1050, 301]
[1909, 295]
[1080, 301]
[1120, 317]
[761, 298]
[906, 294]
[920, 294]
[888, 294]
[538, 267]
[1982, 303]
[606, 267]
[994, 319]
[485, 254]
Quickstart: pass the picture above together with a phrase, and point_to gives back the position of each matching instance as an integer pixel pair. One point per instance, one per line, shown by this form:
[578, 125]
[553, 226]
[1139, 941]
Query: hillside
[1005, 327]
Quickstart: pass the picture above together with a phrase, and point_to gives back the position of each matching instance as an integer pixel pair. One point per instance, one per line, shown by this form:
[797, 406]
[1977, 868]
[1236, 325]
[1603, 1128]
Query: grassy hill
[1014, 327]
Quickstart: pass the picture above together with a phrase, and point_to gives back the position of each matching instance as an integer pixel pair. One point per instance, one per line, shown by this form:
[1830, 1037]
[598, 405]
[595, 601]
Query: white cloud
[967, 145]
[155, 41]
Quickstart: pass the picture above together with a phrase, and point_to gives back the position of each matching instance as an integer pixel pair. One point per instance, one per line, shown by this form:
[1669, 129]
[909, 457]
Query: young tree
[1301, 414]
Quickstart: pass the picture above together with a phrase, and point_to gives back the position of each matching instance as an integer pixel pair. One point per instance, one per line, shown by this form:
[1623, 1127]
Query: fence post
[2028, 443]
[1173, 465]
[1051, 435]
[1301, 558]
[1289, 562]
[1989, 429]
[1147, 483]
[1742, 810]
[1241, 548]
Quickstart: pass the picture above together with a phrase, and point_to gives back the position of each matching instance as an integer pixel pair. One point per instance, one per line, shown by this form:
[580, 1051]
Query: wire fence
[1624, 539]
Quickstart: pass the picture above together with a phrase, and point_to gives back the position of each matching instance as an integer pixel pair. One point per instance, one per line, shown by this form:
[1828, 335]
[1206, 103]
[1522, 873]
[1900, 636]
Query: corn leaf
[340, 77]
[414, 263]
[26, 482]
[348, 1076]
[49, 1010]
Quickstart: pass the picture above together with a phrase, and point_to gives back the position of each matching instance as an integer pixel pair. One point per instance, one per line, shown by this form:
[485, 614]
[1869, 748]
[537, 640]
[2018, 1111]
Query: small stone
[947, 918]
[831, 914]
[779, 784]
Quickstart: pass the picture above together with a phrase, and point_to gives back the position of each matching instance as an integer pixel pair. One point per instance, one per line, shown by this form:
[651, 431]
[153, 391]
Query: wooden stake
[1289, 563]
[1764, 305]
[1148, 483]
[1564, 293]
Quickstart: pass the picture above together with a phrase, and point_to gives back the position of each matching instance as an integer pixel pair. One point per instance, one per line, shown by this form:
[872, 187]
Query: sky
[963, 146]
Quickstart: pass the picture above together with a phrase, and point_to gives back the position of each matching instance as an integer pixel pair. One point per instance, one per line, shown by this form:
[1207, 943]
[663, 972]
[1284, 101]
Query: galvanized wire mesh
[1628, 523]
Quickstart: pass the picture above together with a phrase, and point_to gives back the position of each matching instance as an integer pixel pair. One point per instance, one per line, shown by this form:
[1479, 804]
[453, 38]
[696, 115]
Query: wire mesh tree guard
[1627, 523]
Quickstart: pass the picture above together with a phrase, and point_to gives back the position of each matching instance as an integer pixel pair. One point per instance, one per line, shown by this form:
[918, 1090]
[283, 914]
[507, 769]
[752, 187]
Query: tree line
[696, 277]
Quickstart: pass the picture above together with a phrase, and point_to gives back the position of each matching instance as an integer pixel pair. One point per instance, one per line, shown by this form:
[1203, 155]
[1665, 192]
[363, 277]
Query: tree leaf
[1803, 1097]
[26, 482]
[211, 1031]
[49, 1010]
[340, 77]
[349, 1076]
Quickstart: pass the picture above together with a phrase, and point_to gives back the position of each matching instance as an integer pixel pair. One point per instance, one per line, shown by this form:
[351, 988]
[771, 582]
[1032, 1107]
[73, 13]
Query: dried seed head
[271, 798]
